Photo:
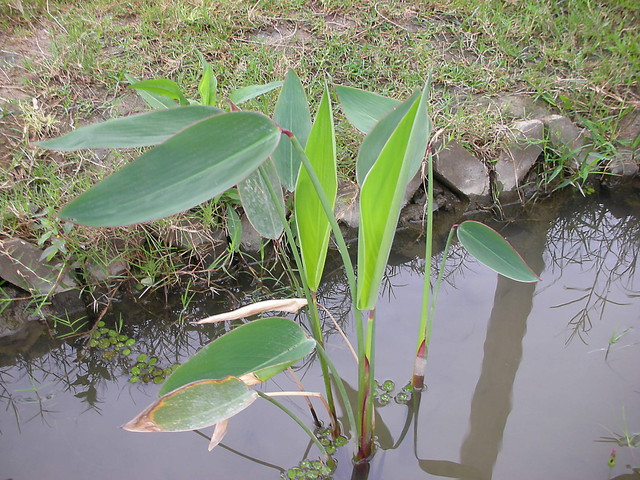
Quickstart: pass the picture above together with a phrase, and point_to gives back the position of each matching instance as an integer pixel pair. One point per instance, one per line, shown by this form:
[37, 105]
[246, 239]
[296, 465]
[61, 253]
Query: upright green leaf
[492, 250]
[234, 228]
[198, 163]
[381, 198]
[260, 349]
[252, 91]
[208, 85]
[156, 102]
[364, 109]
[194, 406]
[142, 130]
[256, 200]
[163, 87]
[311, 220]
[291, 113]
[379, 135]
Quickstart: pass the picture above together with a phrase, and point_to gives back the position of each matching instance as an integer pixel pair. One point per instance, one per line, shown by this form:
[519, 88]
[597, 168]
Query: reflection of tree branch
[602, 244]
[243, 455]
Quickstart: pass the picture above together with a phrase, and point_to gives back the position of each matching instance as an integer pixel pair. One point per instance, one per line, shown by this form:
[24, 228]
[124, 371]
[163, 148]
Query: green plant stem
[418, 378]
[316, 329]
[299, 422]
[340, 387]
[365, 393]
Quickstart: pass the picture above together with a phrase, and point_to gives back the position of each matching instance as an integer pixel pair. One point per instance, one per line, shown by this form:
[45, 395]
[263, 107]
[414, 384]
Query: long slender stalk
[365, 392]
[316, 329]
[342, 391]
[418, 369]
[298, 421]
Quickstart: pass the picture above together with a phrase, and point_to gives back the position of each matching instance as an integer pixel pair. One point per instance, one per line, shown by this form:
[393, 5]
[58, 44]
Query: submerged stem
[299, 422]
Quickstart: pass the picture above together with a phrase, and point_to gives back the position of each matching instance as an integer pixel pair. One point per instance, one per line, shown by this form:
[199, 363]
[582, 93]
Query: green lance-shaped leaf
[258, 204]
[208, 86]
[291, 113]
[492, 250]
[194, 406]
[259, 349]
[381, 198]
[234, 228]
[142, 130]
[364, 109]
[156, 102]
[380, 133]
[245, 94]
[163, 87]
[311, 220]
[198, 163]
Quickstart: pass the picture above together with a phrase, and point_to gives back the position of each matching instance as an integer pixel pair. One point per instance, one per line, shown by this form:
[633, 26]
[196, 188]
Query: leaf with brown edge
[194, 406]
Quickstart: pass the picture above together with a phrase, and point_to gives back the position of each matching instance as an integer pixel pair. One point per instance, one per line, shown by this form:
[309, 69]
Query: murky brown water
[519, 387]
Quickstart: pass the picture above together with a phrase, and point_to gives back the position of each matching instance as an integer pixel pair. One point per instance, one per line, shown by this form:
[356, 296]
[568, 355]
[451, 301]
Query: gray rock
[519, 106]
[461, 171]
[520, 155]
[566, 138]
[625, 163]
[21, 266]
[98, 272]
[250, 241]
[347, 210]
[188, 234]
[627, 160]
[18, 317]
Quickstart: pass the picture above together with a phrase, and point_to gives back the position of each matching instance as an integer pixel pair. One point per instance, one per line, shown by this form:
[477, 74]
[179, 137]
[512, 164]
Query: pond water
[524, 381]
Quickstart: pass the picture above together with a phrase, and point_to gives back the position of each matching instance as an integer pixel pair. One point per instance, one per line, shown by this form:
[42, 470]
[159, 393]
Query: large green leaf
[256, 200]
[381, 198]
[378, 137]
[141, 130]
[291, 113]
[364, 109]
[247, 93]
[492, 250]
[198, 163]
[163, 87]
[193, 406]
[311, 220]
[261, 348]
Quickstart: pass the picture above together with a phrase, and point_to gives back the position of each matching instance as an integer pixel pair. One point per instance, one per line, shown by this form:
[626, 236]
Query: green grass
[579, 57]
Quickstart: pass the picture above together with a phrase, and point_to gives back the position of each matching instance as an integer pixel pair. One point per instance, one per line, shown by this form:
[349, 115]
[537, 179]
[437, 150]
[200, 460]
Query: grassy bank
[63, 65]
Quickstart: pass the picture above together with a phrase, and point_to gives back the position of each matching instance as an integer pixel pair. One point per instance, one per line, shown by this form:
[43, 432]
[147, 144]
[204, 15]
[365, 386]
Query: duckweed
[115, 345]
[388, 386]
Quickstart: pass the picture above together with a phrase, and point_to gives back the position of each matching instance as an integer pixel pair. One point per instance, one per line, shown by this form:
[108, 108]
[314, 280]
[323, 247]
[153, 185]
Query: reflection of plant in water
[601, 243]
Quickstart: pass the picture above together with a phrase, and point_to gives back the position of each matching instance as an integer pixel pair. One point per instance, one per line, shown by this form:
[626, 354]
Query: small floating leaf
[193, 406]
[492, 250]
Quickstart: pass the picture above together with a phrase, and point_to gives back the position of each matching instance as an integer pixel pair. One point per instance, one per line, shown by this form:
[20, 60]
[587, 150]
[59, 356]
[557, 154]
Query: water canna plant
[201, 151]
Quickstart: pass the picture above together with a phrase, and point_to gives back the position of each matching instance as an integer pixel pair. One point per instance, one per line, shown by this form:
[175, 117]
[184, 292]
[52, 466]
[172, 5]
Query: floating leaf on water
[340, 441]
[274, 343]
[290, 305]
[194, 406]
